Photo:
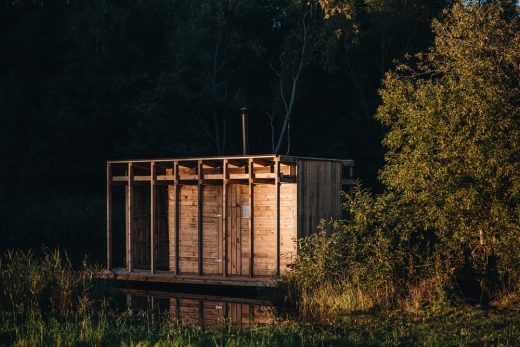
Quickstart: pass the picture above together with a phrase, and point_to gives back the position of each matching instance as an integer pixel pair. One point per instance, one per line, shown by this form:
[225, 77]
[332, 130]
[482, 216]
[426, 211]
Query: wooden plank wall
[238, 229]
[288, 224]
[188, 225]
[163, 248]
[319, 187]
[212, 229]
[141, 227]
[258, 225]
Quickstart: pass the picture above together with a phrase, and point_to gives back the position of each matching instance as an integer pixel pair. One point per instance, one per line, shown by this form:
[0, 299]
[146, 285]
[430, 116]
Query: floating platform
[167, 277]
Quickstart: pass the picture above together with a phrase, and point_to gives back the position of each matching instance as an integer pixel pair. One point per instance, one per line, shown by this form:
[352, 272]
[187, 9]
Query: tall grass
[44, 301]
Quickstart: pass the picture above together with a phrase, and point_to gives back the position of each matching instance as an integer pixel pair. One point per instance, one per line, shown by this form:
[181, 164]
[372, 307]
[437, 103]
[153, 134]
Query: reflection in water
[211, 312]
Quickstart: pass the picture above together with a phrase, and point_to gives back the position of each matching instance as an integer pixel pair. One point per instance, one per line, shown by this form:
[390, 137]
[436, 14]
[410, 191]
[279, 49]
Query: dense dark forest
[86, 81]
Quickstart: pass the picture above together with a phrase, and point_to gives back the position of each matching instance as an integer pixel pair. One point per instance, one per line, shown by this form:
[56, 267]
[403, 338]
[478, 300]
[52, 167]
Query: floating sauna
[216, 220]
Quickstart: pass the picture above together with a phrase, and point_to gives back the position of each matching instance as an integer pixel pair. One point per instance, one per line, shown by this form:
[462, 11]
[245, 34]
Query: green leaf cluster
[453, 140]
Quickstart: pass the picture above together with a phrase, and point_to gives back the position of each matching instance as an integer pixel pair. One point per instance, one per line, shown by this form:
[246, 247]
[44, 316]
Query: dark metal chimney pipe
[245, 132]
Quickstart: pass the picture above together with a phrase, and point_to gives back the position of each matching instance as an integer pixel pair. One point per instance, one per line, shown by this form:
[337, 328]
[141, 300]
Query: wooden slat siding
[234, 229]
[212, 229]
[251, 218]
[224, 218]
[141, 227]
[188, 225]
[219, 227]
[264, 237]
[109, 215]
[177, 215]
[243, 251]
[162, 228]
[129, 217]
[288, 223]
[319, 187]
[153, 216]
[277, 185]
[200, 188]
[171, 224]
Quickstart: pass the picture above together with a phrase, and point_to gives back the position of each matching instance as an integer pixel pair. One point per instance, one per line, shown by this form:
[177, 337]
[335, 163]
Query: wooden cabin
[216, 220]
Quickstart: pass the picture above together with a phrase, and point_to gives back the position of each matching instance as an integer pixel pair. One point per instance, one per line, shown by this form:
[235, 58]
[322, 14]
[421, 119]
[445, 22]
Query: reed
[44, 301]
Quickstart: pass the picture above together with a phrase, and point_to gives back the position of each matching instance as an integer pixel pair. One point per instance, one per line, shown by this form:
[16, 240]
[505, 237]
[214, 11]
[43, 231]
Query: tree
[300, 47]
[454, 136]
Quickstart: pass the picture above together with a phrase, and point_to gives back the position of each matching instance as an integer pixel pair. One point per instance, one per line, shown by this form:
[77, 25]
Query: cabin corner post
[224, 218]
[129, 217]
[277, 195]
[152, 217]
[200, 218]
[251, 218]
[177, 215]
[109, 216]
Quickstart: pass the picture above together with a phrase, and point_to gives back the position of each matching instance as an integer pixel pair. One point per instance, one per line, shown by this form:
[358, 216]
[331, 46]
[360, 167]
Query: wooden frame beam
[237, 162]
[177, 216]
[212, 163]
[130, 217]
[152, 217]
[277, 185]
[251, 219]
[262, 162]
[224, 219]
[200, 218]
[109, 216]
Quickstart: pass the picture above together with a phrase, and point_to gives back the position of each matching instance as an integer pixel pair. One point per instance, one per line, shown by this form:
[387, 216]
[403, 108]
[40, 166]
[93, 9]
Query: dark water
[206, 310]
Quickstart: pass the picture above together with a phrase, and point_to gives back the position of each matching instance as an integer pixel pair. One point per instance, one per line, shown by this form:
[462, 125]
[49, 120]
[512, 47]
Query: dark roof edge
[253, 156]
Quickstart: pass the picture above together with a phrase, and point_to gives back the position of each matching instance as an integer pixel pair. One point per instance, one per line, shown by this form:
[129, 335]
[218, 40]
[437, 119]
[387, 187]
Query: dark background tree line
[86, 81]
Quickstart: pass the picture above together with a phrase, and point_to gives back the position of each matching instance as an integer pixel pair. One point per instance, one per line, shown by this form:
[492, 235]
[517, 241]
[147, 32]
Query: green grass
[45, 302]
[462, 327]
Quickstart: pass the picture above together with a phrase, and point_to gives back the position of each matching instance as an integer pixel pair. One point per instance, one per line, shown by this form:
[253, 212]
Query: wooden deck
[122, 274]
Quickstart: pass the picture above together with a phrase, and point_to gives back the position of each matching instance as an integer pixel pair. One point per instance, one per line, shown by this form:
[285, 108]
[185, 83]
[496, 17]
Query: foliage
[454, 138]
[376, 258]
[43, 301]
[448, 225]
[30, 285]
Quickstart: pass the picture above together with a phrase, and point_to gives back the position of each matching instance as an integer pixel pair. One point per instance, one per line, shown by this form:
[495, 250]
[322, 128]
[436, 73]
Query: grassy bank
[44, 301]
[458, 328]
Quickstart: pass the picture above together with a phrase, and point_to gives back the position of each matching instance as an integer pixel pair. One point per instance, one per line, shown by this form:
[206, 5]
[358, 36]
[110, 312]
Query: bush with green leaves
[453, 138]
[449, 219]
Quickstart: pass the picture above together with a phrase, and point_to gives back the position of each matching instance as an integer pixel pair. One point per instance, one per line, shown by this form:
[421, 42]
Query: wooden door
[212, 240]
[238, 229]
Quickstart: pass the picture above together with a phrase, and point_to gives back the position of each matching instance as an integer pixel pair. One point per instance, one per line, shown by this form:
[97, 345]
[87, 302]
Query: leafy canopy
[453, 135]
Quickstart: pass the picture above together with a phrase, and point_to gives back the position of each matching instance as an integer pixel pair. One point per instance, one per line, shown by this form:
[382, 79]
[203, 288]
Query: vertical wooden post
[177, 215]
[200, 217]
[224, 218]
[109, 216]
[152, 217]
[277, 184]
[130, 217]
[251, 219]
